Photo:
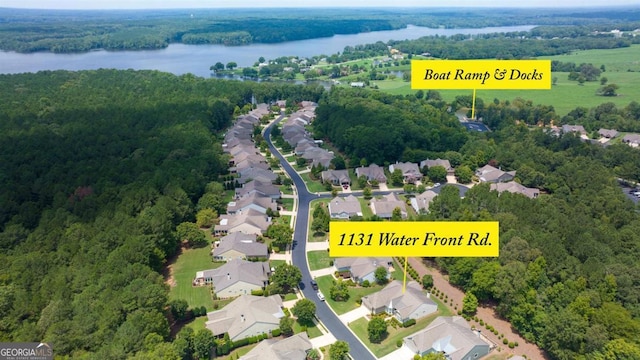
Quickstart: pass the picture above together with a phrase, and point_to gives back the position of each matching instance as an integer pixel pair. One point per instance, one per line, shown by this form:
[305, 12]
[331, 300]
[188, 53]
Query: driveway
[318, 245]
[403, 353]
[354, 315]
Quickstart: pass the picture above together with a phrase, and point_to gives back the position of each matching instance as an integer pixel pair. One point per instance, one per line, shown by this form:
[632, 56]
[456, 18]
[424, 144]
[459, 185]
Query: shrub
[366, 283]
[330, 262]
[505, 341]
[512, 345]
[258, 292]
[408, 323]
[495, 332]
[515, 343]
[481, 322]
[275, 332]
[399, 343]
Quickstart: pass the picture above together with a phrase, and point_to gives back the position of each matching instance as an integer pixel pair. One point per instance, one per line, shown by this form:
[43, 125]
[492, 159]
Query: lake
[196, 59]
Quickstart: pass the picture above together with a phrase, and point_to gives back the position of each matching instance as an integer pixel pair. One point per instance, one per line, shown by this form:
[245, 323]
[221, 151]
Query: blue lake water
[196, 59]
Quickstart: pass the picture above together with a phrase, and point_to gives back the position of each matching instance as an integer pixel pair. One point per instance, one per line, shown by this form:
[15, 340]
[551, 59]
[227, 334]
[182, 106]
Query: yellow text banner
[421, 238]
[481, 74]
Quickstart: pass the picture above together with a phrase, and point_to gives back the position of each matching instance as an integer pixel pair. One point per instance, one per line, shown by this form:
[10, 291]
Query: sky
[183, 4]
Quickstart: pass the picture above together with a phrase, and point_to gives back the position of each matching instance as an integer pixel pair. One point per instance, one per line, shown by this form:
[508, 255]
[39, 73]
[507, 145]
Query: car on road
[320, 296]
[314, 284]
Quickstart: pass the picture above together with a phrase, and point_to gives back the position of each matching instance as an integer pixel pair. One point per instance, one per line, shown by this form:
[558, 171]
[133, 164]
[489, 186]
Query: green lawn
[197, 323]
[286, 189]
[366, 210]
[388, 345]
[287, 203]
[184, 271]
[565, 95]
[341, 307]
[237, 353]
[289, 297]
[284, 219]
[313, 186]
[276, 263]
[318, 259]
[312, 331]
[316, 237]
[398, 272]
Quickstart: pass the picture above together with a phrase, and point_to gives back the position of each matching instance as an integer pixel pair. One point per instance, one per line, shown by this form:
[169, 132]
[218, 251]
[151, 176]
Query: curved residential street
[299, 257]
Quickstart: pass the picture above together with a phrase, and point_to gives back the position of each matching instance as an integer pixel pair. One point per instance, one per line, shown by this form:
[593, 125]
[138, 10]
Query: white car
[320, 296]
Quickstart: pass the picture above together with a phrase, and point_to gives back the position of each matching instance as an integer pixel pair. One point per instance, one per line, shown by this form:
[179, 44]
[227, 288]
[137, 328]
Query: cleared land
[622, 68]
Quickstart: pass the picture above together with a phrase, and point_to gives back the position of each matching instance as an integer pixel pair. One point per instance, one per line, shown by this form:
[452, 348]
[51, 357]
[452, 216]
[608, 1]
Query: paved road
[329, 319]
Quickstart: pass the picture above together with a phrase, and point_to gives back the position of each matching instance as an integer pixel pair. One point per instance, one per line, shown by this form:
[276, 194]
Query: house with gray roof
[344, 207]
[256, 173]
[254, 201]
[372, 172]
[579, 129]
[450, 335]
[249, 222]
[360, 269]
[230, 145]
[608, 133]
[303, 146]
[336, 177]
[410, 171]
[490, 174]
[420, 203]
[246, 316]
[238, 245]
[632, 140]
[438, 162]
[318, 156]
[515, 188]
[294, 347]
[412, 304]
[236, 277]
[260, 187]
[383, 207]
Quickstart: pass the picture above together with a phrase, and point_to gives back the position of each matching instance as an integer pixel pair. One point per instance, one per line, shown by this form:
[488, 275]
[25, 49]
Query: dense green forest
[567, 277]
[78, 31]
[97, 170]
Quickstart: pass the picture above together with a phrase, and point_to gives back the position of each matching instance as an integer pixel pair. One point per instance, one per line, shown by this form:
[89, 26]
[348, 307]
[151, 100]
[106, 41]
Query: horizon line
[335, 7]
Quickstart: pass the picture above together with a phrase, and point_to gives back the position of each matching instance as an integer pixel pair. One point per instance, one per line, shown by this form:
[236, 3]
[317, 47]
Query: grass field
[565, 95]
[184, 270]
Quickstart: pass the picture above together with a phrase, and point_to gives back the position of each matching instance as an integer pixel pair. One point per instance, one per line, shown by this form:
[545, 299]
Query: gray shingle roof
[449, 334]
[291, 348]
[243, 313]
